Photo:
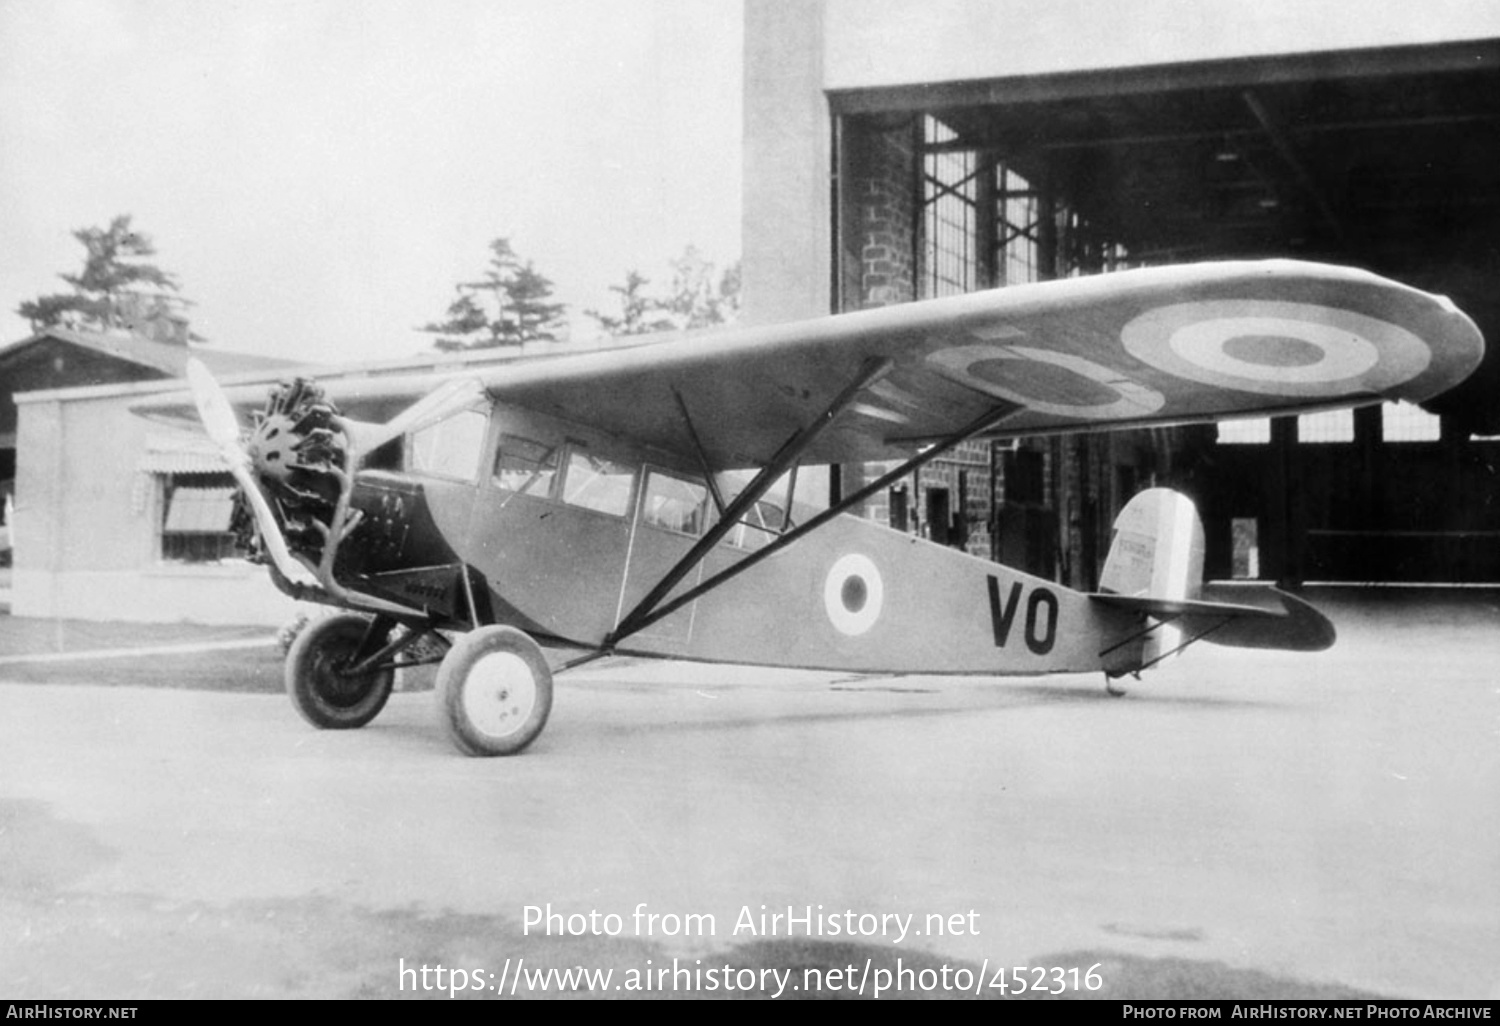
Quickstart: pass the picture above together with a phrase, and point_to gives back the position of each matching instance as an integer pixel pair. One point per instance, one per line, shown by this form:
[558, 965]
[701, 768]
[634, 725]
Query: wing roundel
[1298, 350]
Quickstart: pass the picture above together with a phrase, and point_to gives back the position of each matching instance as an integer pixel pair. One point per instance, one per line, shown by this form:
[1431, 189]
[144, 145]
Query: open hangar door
[1384, 159]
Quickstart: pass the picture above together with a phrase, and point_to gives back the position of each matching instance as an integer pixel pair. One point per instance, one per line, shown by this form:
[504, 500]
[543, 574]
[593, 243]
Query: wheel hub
[500, 694]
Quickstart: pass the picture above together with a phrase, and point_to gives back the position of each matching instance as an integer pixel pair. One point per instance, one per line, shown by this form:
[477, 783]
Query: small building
[156, 349]
[121, 517]
[62, 469]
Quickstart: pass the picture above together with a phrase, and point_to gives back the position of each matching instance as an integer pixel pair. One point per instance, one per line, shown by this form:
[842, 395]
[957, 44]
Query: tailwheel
[494, 691]
[318, 678]
[1113, 688]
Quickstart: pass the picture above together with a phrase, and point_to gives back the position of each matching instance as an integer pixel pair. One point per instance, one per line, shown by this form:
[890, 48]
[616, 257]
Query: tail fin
[1157, 552]
[1155, 567]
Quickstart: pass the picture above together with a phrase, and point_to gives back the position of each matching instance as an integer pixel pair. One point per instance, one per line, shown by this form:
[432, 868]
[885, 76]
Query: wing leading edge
[1156, 346]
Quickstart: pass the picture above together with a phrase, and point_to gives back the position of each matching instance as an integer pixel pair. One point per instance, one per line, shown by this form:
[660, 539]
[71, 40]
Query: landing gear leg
[1114, 689]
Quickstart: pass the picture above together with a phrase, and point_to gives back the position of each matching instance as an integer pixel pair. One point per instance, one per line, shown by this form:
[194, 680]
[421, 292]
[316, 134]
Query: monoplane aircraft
[585, 501]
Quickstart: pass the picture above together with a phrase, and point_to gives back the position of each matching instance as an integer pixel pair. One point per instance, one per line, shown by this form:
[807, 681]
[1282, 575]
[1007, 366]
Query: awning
[183, 463]
[172, 453]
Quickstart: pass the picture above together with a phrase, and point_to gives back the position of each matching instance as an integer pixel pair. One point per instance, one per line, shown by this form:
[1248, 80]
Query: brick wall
[880, 212]
[879, 232]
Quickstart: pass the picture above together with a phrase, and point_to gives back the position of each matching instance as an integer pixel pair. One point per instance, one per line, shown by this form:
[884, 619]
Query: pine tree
[520, 296]
[698, 298]
[116, 288]
[640, 313]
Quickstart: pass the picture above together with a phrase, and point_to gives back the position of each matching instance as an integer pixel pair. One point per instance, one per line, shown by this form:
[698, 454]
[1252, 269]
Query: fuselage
[562, 531]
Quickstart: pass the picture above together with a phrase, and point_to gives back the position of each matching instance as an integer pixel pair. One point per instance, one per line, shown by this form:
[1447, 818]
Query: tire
[325, 697]
[494, 691]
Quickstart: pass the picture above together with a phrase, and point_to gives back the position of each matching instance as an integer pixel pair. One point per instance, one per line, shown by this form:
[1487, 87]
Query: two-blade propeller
[223, 428]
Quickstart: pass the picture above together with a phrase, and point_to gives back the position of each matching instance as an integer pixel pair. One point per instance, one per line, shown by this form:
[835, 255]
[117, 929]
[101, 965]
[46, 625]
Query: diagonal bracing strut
[644, 615]
[790, 452]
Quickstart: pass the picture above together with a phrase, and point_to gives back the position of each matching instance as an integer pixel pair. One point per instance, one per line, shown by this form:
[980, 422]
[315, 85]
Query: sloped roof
[167, 359]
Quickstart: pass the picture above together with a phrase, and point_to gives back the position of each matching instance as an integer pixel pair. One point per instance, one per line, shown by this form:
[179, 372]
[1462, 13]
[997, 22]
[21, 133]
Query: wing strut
[708, 474]
[644, 615]
[790, 452]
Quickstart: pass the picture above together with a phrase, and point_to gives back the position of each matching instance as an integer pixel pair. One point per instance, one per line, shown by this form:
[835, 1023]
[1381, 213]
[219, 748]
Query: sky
[319, 174]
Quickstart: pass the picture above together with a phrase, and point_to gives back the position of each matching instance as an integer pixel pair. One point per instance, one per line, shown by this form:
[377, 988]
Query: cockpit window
[451, 447]
[676, 504]
[767, 518]
[525, 466]
[597, 483]
[759, 527]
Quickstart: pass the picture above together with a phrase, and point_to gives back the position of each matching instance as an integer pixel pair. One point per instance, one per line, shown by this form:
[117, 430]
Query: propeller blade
[217, 415]
[447, 398]
[224, 428]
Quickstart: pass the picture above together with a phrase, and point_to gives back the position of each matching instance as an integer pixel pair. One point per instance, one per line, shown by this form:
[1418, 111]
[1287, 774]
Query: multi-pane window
[1399, 422]
[981, 219]
[196, 509]
[950, 215]
[1018, 228]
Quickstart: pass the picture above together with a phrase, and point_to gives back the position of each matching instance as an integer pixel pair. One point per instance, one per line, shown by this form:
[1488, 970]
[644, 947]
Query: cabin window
[525, 467]
[767, 518]
[675, 504]
[596, 483]
[759, 527]
[451, 447]
[196, 509]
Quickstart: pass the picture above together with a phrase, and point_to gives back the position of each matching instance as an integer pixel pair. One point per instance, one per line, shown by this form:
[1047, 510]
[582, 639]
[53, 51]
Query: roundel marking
[1276, 348]
[853, 594]
[1337, 353]
[1124, 398]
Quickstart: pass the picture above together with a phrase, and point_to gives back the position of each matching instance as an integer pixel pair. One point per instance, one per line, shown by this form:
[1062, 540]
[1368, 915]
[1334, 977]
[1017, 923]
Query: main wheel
[494, 691]
[317, 680]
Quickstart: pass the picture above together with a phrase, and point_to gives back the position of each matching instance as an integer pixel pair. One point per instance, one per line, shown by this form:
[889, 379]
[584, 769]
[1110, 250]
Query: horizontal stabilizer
[1260, 617]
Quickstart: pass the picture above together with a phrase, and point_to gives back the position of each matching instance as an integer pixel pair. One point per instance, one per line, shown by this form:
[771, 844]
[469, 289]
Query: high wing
[1156, 346]
[1169, 345]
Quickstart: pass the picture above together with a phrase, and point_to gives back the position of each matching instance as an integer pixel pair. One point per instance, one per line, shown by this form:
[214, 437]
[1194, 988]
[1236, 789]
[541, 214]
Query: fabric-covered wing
[1157, 346]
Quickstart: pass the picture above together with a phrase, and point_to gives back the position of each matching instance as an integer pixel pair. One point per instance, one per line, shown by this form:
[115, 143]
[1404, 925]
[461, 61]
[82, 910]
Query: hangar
[898, 151]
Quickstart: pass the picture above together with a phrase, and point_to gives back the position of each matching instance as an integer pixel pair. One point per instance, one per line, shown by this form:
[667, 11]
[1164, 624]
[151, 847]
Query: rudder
[1156, 552]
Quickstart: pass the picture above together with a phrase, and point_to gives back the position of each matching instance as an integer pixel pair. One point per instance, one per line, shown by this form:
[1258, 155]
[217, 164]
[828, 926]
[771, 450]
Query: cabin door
[671, 515]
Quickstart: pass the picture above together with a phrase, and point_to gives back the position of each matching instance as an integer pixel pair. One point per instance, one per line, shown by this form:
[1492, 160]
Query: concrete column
[787, 206]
